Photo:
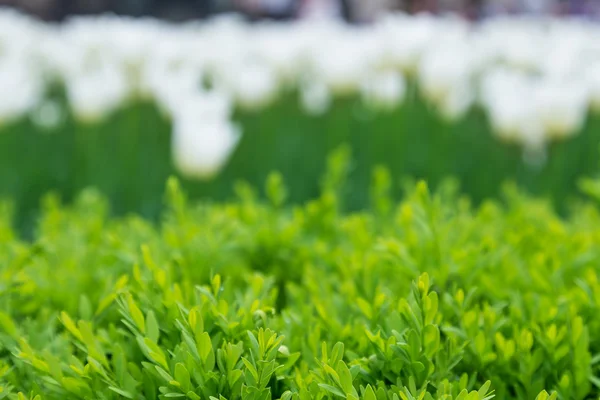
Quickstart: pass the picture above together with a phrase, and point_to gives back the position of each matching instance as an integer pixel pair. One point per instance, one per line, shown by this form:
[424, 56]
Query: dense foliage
[431, 298]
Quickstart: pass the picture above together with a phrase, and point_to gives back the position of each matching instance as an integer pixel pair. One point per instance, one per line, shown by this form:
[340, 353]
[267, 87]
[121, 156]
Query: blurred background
[356, 11]
[121, 104]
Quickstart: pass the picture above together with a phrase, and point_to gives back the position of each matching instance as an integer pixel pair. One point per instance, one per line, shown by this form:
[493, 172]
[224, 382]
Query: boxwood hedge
[431, 298]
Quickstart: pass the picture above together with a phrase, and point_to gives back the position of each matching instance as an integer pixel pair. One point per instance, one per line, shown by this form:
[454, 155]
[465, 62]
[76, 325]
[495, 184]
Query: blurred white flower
[405, 38]
[19, 34]
[169, 83]
[203, 136]
[561, 106]
[445, 75]
[592, 78]
[94, 94]
[510, 100]
[339, 62]
[457, 102]
[253, 85]
[566, 51]
[280, 47]
[48, 114]
[214, 105]
[535, 78]
[315, 97]
[518, 42]
[201, 147]
[384, 89]
[21, 88]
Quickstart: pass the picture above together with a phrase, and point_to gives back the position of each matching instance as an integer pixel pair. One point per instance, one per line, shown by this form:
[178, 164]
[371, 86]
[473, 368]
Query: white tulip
[405, 38]
[518, 42]
[592, 78]
[94, 94]
[253, 85]
[202, 147]
[445, 75]
[457, 102]
[340, 63]
[315, 97]
[48, 115]
[561, 107]
[19, 34]
[281, 48]
[211, 105]
[566, 51]
[169, 84]
[21, 88]
[384, 89]
[510, 100]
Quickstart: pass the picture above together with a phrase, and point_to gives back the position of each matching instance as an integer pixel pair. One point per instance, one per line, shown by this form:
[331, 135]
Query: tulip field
[224, 210]
[121, 104]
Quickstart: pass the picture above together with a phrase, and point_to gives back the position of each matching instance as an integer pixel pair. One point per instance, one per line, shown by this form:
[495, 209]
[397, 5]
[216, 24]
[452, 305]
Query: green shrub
[431, 298]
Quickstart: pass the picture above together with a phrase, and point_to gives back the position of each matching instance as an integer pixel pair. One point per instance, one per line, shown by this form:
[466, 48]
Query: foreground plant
[426, 299]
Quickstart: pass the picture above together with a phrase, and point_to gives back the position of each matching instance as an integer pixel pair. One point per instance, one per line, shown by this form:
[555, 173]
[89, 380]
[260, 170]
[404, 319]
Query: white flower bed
[536, 79]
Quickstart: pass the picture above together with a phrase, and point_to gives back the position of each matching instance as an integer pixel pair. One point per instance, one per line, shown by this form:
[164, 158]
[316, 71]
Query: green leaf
[206, 352]
[431, 338]
[253, 372]
[365, 307]
[345, 377]
[70, 325]
[164, 374]
[369, 393]
[194, 396]
[195, 321]
[333, 390]
[155, 353]
[182, 376]
[121, 392]
[483, 391]
[152, 329]
[136, 314]
[337, 354]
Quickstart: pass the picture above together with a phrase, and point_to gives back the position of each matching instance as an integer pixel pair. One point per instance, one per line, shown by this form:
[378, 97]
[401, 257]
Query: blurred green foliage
[127, 156]
[429, 298]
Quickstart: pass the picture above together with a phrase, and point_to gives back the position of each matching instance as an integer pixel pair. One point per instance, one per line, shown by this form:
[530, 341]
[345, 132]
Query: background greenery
[127, 155]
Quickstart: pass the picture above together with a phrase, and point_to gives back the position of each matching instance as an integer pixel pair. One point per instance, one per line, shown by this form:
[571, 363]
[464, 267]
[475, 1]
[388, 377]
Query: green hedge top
[426, 299]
